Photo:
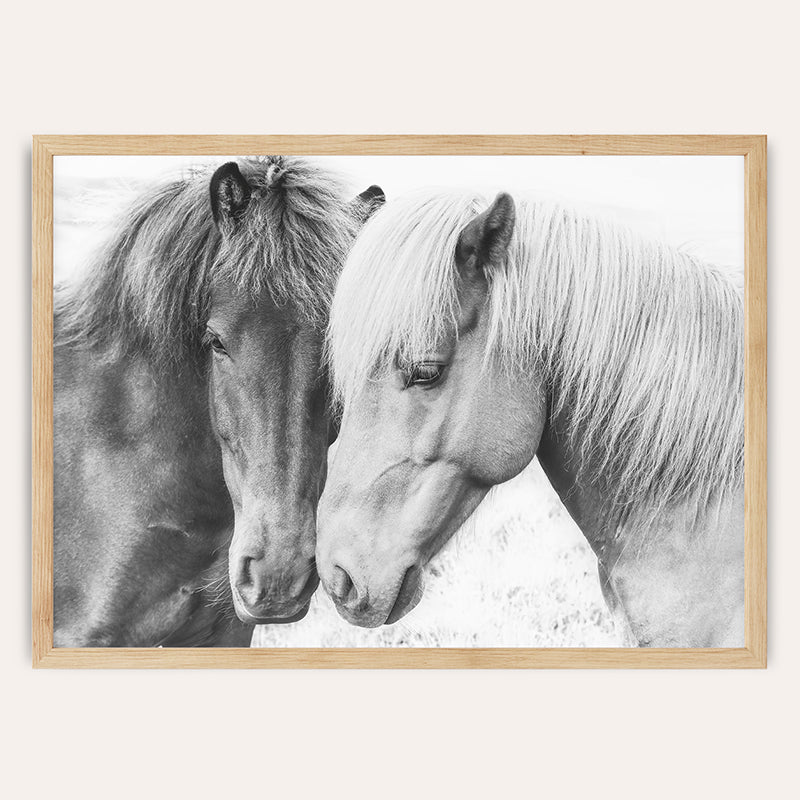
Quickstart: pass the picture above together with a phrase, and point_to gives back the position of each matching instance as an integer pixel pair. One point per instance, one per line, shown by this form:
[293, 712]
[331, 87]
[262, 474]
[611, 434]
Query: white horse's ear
[484, 242]
[230, 196]
[367, 203]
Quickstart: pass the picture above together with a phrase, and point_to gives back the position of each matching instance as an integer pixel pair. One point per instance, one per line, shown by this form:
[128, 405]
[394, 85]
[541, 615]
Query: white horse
[467, 337]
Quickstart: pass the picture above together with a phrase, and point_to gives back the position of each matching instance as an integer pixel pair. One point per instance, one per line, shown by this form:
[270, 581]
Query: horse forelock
[294, 238]
[640, 344]
[149, 288]
[397, 294]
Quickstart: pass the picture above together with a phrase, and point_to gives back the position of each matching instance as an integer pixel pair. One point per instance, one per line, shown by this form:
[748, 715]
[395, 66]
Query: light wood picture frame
[752, 655]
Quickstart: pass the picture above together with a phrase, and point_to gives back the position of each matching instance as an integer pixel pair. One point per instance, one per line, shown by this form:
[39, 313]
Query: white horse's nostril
[341, 585]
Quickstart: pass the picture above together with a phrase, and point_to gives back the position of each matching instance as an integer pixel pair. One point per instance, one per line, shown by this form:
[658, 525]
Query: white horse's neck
[678, 575]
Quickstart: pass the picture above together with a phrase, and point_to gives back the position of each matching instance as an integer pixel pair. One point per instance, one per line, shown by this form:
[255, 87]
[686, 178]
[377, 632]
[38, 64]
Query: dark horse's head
[285, 233]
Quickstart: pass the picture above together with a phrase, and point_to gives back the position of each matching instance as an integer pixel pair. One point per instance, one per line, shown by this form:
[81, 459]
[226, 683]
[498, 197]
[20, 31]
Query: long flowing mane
[641, 344]
[149, 289]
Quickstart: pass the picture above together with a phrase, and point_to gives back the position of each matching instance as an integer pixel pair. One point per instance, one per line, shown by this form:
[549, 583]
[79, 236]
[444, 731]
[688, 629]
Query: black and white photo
[399, 401]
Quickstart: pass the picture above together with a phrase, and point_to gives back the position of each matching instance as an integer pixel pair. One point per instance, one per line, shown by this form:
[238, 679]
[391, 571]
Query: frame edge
[756, 399]
[42, 395]
[753, 655]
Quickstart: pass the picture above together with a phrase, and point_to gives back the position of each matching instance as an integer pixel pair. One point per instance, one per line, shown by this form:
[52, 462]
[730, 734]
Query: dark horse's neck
[148, 566]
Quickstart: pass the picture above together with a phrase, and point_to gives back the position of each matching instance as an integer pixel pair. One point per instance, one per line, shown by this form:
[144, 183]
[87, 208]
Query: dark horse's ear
[367, 203]
[230, 195]
[484, 242]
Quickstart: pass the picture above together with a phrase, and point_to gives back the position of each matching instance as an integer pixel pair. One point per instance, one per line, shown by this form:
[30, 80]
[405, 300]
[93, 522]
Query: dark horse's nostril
[246, 571]
[341, 584]
[250, 588]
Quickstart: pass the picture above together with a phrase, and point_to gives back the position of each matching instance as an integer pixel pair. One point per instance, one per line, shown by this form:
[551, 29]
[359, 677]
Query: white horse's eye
[423, 374]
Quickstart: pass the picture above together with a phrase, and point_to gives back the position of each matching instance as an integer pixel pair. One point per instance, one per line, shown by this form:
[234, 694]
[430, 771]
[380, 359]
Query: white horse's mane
[642, 345]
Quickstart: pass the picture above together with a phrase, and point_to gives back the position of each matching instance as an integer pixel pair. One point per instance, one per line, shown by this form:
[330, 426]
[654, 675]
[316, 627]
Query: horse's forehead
[241, 311]
[226, 294]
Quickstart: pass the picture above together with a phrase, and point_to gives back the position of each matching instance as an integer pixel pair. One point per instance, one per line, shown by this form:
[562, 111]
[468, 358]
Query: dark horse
[190, 406]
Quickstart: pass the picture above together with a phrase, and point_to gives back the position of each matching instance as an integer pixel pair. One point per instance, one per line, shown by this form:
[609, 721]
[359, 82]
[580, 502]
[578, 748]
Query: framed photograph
[399, 401]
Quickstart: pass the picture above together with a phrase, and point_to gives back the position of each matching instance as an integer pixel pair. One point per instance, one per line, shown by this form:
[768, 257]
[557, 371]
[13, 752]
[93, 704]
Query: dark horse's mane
[148, 290]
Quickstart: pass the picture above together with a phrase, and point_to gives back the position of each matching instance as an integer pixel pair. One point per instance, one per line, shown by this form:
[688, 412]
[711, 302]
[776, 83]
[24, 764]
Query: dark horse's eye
[423, 374]
[215, 342]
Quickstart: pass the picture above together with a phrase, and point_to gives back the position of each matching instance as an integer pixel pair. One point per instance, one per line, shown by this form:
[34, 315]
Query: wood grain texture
[755, 401]
[753, 655]
[42, 394]
[399, 145]
[398, 658]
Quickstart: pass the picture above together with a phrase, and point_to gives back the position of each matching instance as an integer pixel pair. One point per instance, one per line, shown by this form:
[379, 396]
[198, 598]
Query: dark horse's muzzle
[263, 595]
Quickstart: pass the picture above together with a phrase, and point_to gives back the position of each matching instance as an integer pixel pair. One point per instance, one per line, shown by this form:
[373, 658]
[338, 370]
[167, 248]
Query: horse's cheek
[505, 439]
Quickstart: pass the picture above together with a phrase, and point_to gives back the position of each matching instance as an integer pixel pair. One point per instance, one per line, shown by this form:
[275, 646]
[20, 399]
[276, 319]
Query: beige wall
[582, 67]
